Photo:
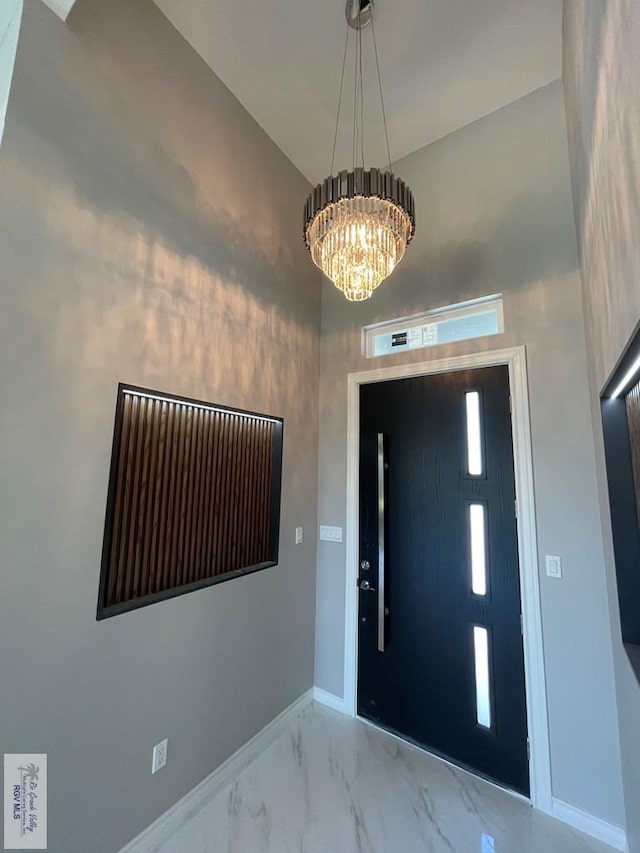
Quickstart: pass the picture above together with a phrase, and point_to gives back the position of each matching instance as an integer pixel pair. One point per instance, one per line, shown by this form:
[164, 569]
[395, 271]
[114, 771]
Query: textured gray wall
[494, 214]
[149, 232]
[601, 73]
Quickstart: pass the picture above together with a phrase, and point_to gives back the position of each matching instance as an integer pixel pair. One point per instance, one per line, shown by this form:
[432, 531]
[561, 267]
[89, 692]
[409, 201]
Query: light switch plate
[330, 534]
[554, 566]
[298, 536]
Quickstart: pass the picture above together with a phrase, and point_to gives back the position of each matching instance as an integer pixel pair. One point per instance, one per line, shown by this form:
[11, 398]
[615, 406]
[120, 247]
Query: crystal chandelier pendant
[357, 226]
[358, 223]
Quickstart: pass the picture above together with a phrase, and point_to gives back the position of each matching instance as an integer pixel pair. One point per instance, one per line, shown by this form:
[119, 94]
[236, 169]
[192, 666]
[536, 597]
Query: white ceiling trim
[10, 19]
[60, 7]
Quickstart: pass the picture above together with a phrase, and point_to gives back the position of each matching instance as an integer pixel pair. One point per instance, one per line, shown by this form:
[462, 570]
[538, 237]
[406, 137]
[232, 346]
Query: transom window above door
[476, 318]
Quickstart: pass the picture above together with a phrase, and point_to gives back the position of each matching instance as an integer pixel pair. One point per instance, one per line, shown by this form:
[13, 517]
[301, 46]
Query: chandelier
[358, 223]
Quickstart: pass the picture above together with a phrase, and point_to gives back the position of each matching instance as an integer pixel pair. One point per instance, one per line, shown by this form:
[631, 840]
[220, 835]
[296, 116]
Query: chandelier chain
[384, 116]
[335, 135]
[361, 100]
[355, 103]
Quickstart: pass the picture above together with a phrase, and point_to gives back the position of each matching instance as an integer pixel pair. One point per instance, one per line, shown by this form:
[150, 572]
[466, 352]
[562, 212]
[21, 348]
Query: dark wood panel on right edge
[620, 408]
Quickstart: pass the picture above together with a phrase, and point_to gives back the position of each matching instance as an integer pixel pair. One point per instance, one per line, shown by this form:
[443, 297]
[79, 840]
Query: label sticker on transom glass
[478, 549]
[474, 438]
[481, 653]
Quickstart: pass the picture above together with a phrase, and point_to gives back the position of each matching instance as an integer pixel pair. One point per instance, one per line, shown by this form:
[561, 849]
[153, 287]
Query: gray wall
[149, 232]
[601, 73]
[494, 214]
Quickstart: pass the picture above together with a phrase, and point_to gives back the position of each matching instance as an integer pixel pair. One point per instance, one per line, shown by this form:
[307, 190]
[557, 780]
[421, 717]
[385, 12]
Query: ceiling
[444, 64]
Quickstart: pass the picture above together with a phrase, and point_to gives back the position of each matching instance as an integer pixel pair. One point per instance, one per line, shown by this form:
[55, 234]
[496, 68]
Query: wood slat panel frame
[193, 498]
[620, 423]
[633, 417]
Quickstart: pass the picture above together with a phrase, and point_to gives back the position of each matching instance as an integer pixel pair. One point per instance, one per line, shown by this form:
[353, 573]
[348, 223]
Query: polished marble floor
[330, 784]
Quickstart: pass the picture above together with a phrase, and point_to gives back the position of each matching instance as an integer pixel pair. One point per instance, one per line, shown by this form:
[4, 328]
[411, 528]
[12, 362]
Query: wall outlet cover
[159, 755]
[553, 566]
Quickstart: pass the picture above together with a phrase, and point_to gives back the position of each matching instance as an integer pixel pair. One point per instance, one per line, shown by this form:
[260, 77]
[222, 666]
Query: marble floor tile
[330, 784]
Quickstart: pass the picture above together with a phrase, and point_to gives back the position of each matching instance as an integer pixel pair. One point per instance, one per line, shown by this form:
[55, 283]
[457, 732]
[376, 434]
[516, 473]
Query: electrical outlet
[554, 566]
[298, 536]
[159, 755]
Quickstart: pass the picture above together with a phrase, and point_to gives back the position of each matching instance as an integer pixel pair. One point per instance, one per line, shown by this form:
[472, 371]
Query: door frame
[536, 693]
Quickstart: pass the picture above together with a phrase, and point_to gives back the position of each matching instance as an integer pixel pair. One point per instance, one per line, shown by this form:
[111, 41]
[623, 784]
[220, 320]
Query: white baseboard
[330, 700]
[612, 835]
[151, 838]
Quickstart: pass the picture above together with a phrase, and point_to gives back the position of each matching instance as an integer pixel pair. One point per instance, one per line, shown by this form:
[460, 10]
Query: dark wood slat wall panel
[633, 418]
[190, 498]
[196, 532]
[113, 591]
[213, 531]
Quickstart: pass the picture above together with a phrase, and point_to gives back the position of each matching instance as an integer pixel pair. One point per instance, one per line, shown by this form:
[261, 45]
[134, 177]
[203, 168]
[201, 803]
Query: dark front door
[440, 656]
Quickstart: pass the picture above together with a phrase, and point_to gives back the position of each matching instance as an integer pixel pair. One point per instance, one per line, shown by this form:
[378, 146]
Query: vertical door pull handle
[381, 477]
